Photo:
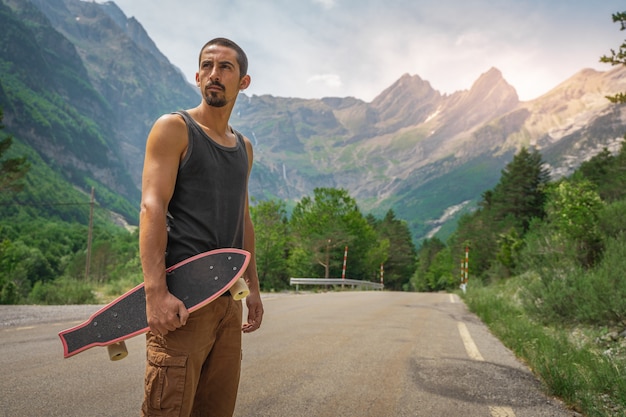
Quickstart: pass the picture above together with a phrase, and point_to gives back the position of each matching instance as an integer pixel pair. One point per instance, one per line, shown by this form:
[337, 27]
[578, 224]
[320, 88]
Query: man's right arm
[165, 147]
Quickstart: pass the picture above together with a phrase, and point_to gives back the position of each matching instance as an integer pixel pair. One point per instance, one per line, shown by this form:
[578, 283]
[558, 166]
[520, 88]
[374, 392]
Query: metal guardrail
[335, 281]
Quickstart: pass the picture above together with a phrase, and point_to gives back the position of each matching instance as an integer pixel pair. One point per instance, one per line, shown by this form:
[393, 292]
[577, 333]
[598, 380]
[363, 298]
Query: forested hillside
[67, 116]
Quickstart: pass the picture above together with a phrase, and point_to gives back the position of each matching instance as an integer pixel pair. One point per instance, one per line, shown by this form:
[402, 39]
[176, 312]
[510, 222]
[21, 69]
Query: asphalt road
[353, 354]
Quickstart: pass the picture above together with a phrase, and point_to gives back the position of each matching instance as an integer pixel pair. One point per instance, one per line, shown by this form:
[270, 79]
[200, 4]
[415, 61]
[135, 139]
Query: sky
[358, 48]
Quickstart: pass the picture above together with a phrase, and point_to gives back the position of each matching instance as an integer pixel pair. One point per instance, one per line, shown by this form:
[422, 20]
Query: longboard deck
[195, 281]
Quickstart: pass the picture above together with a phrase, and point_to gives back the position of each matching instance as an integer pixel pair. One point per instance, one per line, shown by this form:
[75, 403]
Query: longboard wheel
[239, 290]
[117, 351]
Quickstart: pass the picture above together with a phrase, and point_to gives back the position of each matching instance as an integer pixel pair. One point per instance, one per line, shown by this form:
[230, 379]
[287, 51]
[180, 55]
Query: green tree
[520, 194]
[493, 232]
[607, 172]
[617, 57]
[322, 227]
[20, 267]
[570, 238]
[12, 170]
[510, 245]
[400, 263]
[478, 232]
[595, 169]
[272, 237]
[444, 272]
[612, 222]
[574, 210]
[421, 280]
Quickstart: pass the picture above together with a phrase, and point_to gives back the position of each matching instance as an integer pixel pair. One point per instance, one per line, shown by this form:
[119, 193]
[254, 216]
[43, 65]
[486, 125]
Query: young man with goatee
[195, 199]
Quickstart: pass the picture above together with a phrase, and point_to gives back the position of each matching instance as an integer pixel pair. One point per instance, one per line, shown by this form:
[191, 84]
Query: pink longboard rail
[196, 281]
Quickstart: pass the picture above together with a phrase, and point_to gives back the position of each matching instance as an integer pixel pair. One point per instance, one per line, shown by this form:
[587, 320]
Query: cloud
[300, 49]
[330, 80]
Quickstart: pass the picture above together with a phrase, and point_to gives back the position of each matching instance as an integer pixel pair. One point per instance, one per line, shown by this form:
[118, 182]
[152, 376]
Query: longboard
[196, 281]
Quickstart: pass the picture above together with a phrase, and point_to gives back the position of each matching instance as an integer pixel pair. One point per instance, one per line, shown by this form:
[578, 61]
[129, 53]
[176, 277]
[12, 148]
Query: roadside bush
[612, 221]
[9, 293]
[546, 252]
[557, 296]
[62, 291]
[608, 285]
[579, 295]
[115, 288]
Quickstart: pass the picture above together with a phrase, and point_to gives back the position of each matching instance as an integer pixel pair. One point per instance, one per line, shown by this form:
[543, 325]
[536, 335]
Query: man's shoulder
[170, 121]
[169, 128]
[173, 117]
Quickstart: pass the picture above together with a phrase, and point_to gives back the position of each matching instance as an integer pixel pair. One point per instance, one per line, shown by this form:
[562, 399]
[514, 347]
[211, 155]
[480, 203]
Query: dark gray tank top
[207, 208]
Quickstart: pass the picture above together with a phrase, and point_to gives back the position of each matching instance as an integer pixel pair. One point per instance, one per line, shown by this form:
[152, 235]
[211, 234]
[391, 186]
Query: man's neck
[213, 118]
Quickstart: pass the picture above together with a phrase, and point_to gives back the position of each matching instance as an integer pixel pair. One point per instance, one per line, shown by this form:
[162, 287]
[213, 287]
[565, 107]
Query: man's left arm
[253, 300]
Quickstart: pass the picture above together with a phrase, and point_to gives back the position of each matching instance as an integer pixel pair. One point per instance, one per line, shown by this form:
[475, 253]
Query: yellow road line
[501, 412]
[468, 342]
[473, 353]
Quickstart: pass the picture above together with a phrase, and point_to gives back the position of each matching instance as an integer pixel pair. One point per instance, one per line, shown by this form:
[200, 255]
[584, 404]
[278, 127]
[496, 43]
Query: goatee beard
[215, 101]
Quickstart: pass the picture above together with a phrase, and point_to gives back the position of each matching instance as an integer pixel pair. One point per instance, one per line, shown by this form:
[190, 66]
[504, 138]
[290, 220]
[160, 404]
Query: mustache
[216, 83]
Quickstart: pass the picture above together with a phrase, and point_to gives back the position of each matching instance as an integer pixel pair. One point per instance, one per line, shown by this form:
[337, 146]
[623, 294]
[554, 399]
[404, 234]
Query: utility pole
[465, 270]
[89, 235]
[343, 269]
[327, 266]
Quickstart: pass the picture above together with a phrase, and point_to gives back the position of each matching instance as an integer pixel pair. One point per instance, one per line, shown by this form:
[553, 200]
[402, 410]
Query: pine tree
[520, 195]
[400, 264]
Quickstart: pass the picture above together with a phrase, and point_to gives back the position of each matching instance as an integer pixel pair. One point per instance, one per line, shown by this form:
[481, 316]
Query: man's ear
[244, 82]
[197, 79]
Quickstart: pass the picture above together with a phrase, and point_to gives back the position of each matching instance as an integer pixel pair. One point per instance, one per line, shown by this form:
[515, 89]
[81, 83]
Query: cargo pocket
[165, 380]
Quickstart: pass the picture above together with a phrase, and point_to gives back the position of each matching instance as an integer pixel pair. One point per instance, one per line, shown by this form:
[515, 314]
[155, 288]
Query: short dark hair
[242, 59]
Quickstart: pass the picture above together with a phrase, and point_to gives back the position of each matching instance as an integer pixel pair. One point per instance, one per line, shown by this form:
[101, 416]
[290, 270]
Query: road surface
[352, 354]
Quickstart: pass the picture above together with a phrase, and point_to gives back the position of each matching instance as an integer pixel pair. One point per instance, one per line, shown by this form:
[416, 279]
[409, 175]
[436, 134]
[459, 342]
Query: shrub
[62, 291]
[578, 295]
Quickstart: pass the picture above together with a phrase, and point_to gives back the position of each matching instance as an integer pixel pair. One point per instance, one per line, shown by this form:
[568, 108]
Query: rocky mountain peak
[490, 96]
[408, 101]
[492, 87]
[407, 87]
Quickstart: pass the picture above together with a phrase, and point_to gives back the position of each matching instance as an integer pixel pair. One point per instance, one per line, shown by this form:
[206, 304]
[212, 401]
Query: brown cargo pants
[194, 370]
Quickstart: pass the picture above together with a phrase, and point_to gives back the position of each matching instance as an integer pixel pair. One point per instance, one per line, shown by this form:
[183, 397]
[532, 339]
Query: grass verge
[580, 366]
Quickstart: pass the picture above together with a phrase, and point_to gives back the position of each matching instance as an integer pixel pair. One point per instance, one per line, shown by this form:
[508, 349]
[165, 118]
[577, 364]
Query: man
[195, 199]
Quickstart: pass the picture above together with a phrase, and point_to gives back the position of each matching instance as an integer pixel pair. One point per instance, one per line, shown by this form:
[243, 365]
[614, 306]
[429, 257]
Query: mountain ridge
[448, 131]
[411, 149]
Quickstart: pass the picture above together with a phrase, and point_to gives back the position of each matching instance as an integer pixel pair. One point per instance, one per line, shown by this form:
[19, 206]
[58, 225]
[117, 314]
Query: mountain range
[81, 84]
